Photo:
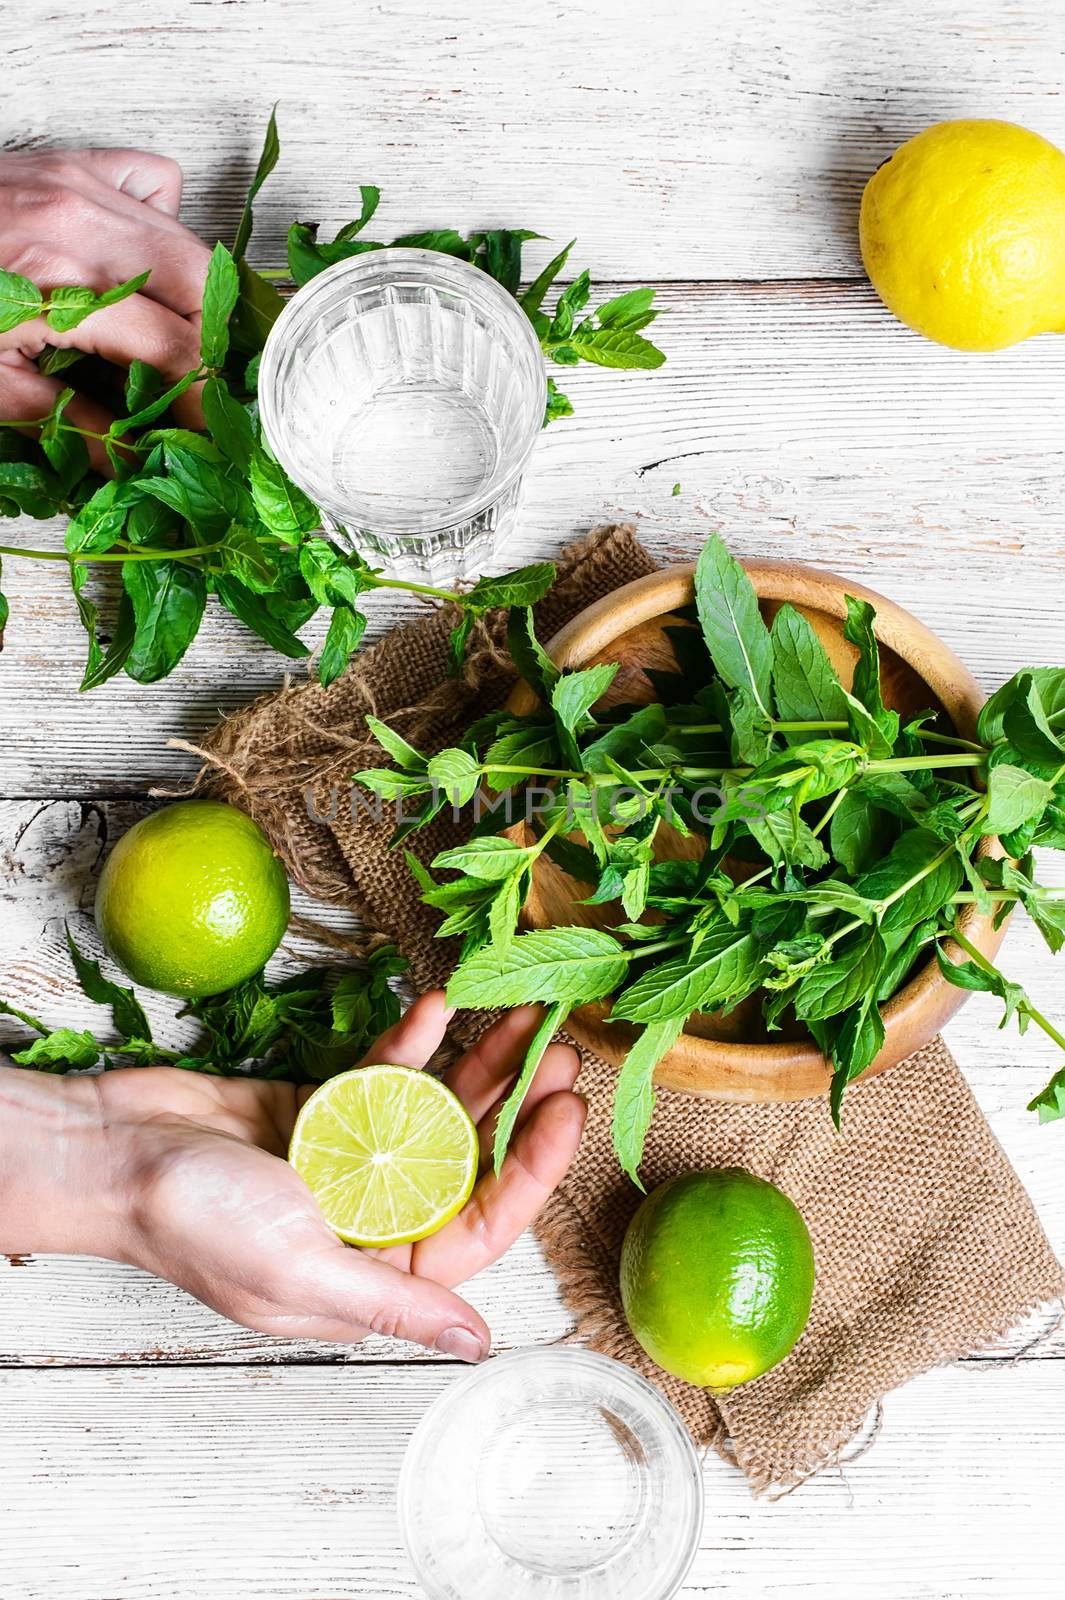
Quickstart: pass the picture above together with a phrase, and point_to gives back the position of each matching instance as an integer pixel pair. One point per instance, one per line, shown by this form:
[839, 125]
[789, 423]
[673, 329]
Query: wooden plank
[680, 140]
[799, 420]
[279, 1484]
[74, 1311]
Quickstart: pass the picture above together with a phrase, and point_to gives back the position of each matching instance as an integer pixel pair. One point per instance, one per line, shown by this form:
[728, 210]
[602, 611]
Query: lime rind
[389, 1153]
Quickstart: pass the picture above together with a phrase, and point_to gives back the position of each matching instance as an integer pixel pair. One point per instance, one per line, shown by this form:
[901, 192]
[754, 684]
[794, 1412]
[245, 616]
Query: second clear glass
[403, 391]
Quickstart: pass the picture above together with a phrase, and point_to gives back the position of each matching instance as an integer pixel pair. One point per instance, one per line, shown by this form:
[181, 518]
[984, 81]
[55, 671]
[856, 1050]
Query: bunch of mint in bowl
[851, 866]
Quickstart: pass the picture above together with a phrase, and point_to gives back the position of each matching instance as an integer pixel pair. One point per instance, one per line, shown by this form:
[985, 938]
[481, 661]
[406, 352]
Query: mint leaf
[346, 628]
[456, 773]
[859, 832]
[370, 196]
[100, 521]
[127, 1014]
[570, 303]
[70, 305]
[254, 611]
[572, 965]
[219, 298]
[634, 1096]
[558, 404]
[402, 753]
[63, 1049]
[1015, 797]
[168, 598]
[553, 1020]
[533, 298]
[1050, 1101]
[912, 866]
[492, 858]
[576, 692]
[736, 637]
[804, 680]
[229, 424]
[858, 629]
[629, 310]
[521, 588]
[20, 301]
[857, 1044]
[530, 749]
[616, 347]
[284, 509]
[835, 985]
[268, 160]
[530, 658]
[66, 450]
[725, 966]
[144, 384]
[501, 255]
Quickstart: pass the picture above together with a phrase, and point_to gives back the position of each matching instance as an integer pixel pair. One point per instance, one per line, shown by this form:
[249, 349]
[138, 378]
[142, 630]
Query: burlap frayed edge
[834, 1453]
[236, 767]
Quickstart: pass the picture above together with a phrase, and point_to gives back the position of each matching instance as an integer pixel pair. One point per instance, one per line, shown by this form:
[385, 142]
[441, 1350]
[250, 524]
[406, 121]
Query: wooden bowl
[730, 1057]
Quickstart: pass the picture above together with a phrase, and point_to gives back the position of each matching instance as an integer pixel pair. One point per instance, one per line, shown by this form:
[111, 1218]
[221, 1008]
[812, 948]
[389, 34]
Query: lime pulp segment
[389, 1153]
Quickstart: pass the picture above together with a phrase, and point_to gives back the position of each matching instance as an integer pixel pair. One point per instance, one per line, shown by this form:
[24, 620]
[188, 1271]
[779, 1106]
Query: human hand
[97, 218]
[199, 1191]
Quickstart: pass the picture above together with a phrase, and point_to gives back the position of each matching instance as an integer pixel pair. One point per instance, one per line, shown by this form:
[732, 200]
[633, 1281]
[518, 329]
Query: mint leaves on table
[304, 1029]
[608, 336]
[193, 518]
[838, 846]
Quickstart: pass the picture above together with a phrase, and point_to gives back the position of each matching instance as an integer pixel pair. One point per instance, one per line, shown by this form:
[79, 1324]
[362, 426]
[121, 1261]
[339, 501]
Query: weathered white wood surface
[680, 140]
[279, 1484]
[150, 1451]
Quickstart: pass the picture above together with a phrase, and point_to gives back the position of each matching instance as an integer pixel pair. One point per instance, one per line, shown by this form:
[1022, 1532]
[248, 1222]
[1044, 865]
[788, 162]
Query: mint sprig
[306, 1028]
[196, 518]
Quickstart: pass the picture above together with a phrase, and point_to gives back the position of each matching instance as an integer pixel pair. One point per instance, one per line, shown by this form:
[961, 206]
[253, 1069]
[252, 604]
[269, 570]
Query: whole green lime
[192, 899]
[717, 1276]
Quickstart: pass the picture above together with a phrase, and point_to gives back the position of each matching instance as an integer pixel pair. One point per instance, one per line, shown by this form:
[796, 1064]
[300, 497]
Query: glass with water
[403, 391]
[551, 1474]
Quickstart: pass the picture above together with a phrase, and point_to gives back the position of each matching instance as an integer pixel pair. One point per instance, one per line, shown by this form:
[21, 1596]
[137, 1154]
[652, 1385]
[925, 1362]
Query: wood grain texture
[680, 140]
[279, 1484]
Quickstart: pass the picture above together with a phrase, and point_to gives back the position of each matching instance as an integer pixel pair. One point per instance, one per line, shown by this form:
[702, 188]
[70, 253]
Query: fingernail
[449, 1012]
[460, 1343]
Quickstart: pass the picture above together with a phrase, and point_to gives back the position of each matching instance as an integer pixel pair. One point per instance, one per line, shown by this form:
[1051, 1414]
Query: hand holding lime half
[192, 900]
[184, 1175]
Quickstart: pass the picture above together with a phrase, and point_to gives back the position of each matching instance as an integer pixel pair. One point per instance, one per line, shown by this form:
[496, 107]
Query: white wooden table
[147, 1448]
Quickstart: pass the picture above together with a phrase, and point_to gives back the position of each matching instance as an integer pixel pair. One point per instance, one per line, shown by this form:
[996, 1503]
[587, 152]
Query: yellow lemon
[963, 234]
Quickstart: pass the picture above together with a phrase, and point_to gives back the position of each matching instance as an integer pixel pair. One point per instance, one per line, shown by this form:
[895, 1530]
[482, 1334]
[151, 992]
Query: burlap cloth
[927, 1245]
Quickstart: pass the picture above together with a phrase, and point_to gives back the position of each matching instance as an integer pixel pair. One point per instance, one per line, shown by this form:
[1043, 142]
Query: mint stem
[980, 960]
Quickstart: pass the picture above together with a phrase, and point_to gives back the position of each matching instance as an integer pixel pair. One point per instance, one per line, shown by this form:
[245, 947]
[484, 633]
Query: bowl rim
[789, 1069]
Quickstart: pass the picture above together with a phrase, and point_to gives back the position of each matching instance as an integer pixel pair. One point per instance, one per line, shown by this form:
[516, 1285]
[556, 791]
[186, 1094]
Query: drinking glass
[403, 391]
[551, 1474]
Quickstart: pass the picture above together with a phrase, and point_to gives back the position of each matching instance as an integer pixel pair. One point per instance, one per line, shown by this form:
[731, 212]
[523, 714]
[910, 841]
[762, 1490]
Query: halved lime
[389, 1154]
